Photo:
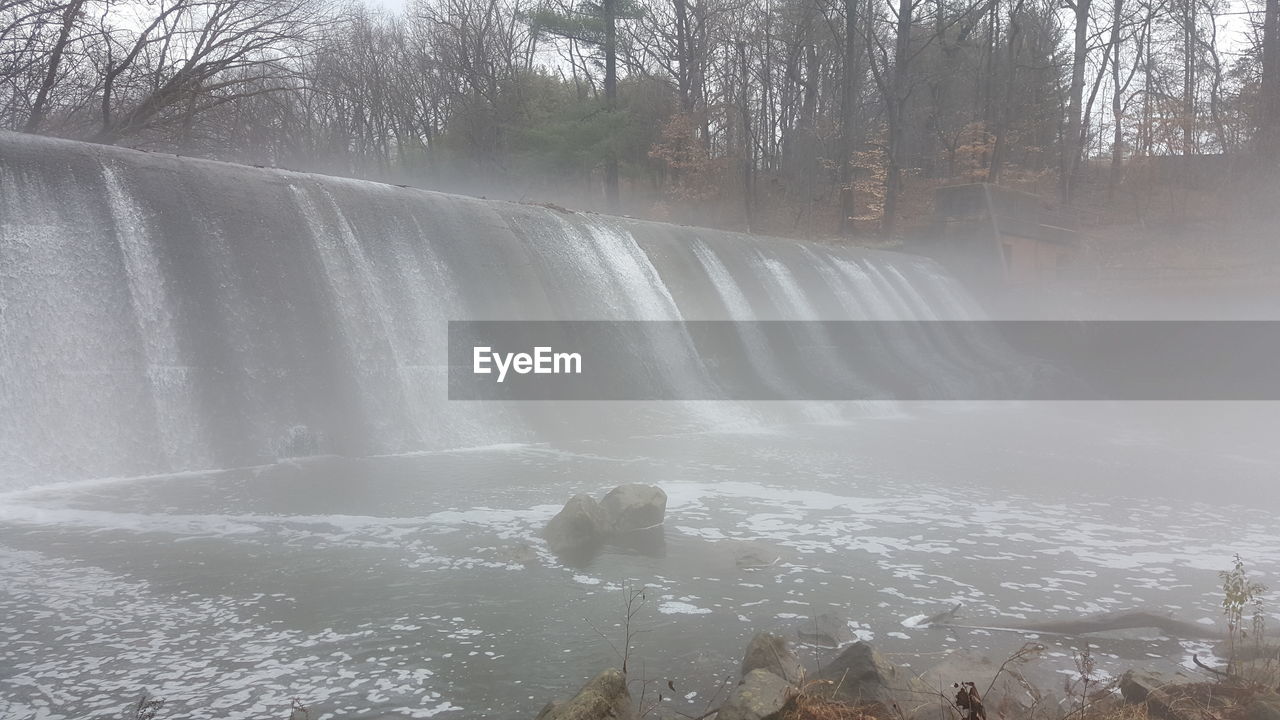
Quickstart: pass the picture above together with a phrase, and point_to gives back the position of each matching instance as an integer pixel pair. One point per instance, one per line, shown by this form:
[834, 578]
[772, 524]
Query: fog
[238, 474]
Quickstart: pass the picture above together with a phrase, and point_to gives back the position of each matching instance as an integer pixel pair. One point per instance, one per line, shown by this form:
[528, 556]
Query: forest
[812, 118]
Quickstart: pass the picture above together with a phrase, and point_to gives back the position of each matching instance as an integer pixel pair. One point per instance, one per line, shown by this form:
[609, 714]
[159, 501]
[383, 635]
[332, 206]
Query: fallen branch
[1112, 621]
[1196, 659]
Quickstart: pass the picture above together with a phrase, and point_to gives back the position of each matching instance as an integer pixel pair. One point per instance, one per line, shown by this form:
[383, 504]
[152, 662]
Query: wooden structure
[994, 237]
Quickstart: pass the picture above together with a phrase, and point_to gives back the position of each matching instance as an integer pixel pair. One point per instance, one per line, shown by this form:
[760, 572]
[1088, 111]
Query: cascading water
[167, 375]
[796, 303]
[370, 334]
[739, 308]
[164, 314]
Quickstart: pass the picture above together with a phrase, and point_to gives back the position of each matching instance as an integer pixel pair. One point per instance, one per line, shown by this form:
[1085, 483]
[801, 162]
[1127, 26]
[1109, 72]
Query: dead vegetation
[803, 705]
[1220, 700]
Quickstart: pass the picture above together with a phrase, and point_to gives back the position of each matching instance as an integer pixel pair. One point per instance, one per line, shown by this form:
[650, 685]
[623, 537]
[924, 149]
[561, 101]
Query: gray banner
[864, 360]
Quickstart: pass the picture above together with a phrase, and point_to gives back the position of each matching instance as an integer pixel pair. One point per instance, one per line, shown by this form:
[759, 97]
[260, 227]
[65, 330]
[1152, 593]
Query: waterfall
[161, 314]
[739, 308]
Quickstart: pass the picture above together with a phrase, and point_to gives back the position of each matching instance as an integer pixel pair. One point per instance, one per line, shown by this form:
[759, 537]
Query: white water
[168, 375]
[220, 311]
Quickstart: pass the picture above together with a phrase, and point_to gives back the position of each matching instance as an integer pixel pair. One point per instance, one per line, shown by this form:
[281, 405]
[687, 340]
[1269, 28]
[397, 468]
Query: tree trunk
[611, 101]
[745, 107]
[1145, 134]
[896, 105]
[1000, 148]
[40, 106]
[682, 55]
[1117, 134]
[1270, 127]
[849, 92]
[1071, 137]
[1188, 77]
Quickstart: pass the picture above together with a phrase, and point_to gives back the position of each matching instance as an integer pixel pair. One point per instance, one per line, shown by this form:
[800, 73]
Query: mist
[489, 359]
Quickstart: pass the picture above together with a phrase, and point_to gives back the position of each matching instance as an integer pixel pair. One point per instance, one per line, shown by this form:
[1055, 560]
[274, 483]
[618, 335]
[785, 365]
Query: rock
[826, 629]
[580, 524]
[1137, 685]
[634, 507]
[750, 555]
[1004, 692]
[518, 553]
[943, 618]
[861, 676]
[547, 709]
[650, 542]
[771, 653]
[604, 697]
[630, 516]
[761, 695]
[1158, 693]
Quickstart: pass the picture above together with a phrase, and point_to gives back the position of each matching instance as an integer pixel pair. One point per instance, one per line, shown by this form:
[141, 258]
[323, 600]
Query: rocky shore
[860, 683]
[853, 680]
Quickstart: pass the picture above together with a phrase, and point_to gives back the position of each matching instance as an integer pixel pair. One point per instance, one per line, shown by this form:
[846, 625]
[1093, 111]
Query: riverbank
[857, 682]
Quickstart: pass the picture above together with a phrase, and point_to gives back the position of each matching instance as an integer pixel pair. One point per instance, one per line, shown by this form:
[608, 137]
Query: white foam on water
[673, 607]
[316, 530]
[194, 652]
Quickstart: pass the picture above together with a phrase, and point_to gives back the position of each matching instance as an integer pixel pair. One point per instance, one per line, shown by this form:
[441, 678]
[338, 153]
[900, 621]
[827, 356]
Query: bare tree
[1269, 131]
[1071, 135]
[70, 12]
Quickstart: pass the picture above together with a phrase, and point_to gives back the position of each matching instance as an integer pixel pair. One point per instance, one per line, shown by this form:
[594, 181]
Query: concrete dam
[162, 314]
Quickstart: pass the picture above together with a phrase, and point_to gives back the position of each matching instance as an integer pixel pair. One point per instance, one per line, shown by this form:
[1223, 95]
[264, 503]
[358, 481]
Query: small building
[995, 238]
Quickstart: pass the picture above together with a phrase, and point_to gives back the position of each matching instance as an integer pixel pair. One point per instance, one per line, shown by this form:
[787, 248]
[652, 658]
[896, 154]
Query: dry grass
[1115, 708]
[1217, 700]
[1204, 701]
[806, 706]
[812, 701]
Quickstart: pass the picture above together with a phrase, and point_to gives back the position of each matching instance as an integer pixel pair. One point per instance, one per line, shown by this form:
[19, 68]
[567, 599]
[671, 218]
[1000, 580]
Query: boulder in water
[581, 524]
[630, 515]
[752, 555]
[650, 542]
[519, 553]
[771, 653]
[604, 697]
[761, 695]
[634, 506]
